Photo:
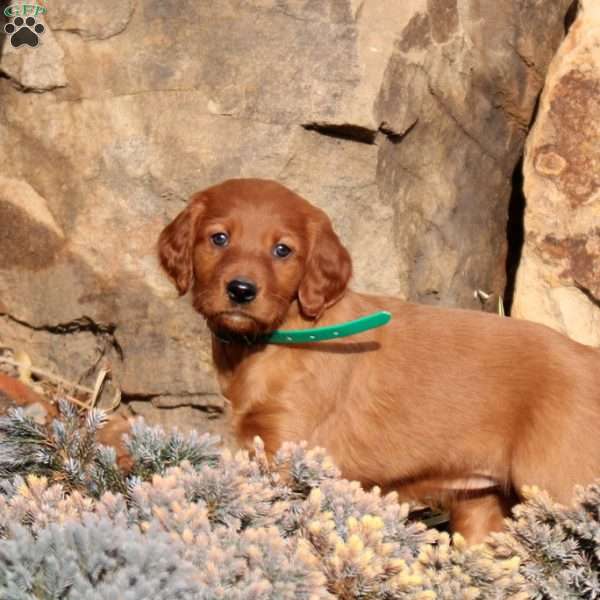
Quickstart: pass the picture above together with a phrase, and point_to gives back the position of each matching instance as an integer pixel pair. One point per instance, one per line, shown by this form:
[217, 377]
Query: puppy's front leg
[477, 513]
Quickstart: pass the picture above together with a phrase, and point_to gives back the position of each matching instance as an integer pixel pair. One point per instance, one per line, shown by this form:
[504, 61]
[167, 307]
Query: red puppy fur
[455, 407]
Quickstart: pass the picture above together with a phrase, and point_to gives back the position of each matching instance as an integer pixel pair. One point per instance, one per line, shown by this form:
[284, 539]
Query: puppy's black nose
[241, 291]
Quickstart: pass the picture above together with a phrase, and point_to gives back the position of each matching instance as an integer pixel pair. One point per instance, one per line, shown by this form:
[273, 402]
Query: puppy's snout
[241, 291]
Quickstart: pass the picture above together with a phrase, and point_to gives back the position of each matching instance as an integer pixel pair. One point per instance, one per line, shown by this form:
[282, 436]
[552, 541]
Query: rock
[73, 352]
[404, 121]
[558, 281]
[30, 237]
[37, 69]
[210, 403]
[91, 20]
[475, 69]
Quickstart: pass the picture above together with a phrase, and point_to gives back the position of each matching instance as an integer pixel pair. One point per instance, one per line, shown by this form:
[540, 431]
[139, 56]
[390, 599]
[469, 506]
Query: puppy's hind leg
[477, 513]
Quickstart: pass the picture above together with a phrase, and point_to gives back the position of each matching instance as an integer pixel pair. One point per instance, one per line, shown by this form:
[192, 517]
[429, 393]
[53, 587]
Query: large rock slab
[459, 94]
[558, 282]
[402, 120]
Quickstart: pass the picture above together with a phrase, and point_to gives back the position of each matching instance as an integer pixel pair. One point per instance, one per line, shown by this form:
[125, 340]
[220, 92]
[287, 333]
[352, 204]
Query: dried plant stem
[69, 384]
[84, 405]
[47, 375]
[97, 387]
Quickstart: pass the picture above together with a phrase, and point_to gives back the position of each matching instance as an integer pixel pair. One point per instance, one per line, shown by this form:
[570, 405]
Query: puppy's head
[248, 248]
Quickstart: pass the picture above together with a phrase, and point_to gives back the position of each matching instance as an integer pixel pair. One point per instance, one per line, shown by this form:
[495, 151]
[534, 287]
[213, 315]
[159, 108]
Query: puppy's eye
[281, 250]
[219, 239]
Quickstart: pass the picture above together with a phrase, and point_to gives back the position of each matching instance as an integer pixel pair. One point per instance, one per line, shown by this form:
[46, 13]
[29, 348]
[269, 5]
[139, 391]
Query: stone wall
[403, 120]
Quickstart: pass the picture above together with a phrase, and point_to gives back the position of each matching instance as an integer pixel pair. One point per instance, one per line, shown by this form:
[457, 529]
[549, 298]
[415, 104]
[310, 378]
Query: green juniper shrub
[192, 520]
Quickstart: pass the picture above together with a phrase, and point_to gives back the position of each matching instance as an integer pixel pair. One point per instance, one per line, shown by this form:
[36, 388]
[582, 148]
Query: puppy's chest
[276, 402]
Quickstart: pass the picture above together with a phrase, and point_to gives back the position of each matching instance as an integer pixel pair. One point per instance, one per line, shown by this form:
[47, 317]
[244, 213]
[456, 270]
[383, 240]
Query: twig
[501, 311]
[99, 381]
[94, 393]
[116, 400]
[46, 374]
[75, 401]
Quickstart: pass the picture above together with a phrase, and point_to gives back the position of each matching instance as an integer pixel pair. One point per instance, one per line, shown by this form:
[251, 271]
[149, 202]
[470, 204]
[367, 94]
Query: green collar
[329, 332]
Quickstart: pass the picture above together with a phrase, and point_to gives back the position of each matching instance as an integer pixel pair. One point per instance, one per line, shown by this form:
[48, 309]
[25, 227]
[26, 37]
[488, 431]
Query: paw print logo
[24, 31]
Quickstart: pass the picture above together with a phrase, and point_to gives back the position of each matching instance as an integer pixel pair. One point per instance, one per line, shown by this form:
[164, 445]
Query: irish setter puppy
[446, 406]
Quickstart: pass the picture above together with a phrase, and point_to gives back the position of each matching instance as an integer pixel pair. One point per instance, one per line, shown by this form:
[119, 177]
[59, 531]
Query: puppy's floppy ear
[176, 243]
[328, 271]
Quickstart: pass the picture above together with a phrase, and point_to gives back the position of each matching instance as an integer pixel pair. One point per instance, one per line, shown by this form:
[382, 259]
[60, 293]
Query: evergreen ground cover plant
[191, 520]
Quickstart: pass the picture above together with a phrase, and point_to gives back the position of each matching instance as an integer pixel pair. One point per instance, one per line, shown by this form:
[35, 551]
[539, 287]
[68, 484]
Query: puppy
[451, 407]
